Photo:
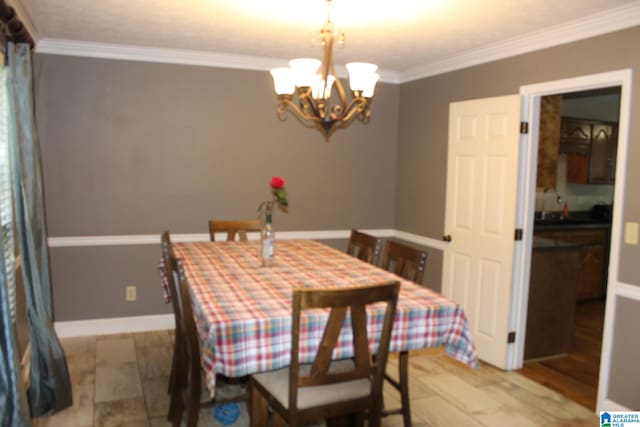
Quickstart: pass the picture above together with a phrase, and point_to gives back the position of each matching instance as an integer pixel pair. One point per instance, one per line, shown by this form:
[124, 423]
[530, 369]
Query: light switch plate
[132, 293]
[631, 233]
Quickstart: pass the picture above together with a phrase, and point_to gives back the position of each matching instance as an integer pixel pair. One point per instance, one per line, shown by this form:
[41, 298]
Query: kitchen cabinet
[590, 147]
[593, 258]
[552, 298]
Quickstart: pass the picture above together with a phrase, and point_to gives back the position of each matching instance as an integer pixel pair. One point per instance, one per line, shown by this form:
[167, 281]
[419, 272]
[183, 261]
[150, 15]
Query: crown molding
[608, 21]
[593, 25]
[175, 56]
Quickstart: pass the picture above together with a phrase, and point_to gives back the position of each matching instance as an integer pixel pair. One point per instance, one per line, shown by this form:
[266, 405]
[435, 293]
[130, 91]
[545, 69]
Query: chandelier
[318, 99]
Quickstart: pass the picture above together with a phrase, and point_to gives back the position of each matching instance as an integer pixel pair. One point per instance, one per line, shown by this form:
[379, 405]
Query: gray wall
[422, 156]
[137, 148]
[424, 109]
[625, 377]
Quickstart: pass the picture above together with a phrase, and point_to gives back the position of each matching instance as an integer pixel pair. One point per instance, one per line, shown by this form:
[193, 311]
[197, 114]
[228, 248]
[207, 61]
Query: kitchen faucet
[543, 212]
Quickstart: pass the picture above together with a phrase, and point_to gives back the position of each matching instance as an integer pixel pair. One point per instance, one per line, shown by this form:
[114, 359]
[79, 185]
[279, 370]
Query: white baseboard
[115, 325]
[610, 405]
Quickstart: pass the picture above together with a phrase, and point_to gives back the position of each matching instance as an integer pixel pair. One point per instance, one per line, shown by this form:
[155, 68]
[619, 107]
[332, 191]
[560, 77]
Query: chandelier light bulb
[361, 74]
[283, 81]
[319, 86]
[370, 87]
[305, 71]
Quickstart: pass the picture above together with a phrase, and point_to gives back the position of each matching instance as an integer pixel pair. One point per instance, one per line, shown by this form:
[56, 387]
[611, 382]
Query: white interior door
[482, 176]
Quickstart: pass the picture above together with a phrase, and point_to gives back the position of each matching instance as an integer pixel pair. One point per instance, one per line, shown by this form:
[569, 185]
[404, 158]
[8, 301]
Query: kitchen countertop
[576, 220]
[547, 244]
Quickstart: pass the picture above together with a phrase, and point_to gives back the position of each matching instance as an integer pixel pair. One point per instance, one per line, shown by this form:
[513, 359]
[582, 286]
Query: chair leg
[279, 421]
[404, 387]
[174, 363]
[375, 415]
[258, 408]
[179, 375]
[175, 412]
[193, 400]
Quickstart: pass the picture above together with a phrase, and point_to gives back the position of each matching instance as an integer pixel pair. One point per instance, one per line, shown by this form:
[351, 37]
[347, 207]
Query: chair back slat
[325, 349]
[235, 228]
[404, 261]
[189, 331]
[339, 301]
[363, 246]
[168, 259]
[360, 340]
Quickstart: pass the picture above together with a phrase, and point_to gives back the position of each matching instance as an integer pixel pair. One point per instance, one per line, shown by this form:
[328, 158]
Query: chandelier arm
[328, 67]
[307, 101]
[356, 106]
[328, 56]
[339, 87]
[286, 105]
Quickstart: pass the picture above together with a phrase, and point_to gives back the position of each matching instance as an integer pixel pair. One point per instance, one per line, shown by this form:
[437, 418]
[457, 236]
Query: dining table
[243, 310]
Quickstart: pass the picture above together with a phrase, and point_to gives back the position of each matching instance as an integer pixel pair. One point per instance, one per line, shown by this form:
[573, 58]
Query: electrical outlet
[132, 293]
[631, 233]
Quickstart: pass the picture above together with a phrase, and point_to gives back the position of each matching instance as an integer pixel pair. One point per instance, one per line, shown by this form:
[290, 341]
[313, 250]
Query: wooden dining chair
[363, 246]
[409, 263]
[237, 228]
[405, 261]
[170, 278]
[189, 375]
[302, 394]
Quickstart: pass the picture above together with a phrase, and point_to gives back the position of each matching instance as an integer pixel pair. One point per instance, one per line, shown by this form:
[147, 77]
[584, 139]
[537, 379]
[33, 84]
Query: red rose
[277, 182]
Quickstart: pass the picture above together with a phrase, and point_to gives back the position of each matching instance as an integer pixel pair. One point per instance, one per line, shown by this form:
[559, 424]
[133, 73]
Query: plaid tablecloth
[243, 310]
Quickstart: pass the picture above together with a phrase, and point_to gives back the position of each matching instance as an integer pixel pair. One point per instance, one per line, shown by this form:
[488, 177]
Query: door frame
[530, 112]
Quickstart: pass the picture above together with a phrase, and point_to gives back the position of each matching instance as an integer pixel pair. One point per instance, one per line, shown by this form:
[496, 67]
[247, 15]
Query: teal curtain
[13, 409]
[50, 387]
[13, 405]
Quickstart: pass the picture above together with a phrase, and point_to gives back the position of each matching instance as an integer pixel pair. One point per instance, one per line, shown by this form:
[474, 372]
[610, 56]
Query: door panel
[480, 217]
[495, 171]
[465, 171]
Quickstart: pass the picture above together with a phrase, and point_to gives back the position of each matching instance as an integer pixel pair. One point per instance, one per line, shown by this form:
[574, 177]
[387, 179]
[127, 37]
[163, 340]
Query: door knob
[446, 238]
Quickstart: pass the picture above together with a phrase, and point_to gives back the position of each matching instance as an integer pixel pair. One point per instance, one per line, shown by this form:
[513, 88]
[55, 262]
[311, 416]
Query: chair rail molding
[152, 239]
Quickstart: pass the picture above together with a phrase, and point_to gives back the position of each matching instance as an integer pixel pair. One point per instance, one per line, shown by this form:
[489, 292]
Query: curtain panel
[13, 405]
[50, 387]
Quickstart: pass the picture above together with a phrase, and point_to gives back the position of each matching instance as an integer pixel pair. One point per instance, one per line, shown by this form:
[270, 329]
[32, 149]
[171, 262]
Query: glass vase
[268, 240]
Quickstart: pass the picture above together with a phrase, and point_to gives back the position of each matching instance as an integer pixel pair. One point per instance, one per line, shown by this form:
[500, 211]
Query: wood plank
[569, 387]
[575, 375]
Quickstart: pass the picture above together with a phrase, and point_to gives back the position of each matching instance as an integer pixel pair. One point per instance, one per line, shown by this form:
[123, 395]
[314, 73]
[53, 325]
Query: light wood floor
[576, 374]
[121, 380]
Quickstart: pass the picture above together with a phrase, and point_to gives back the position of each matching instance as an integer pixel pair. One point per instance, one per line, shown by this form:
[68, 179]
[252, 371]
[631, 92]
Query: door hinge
[524, 128]
[511, 338]
[518, 234]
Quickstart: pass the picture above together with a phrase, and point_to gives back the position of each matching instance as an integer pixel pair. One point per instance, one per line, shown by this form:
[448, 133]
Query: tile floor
[121, 380]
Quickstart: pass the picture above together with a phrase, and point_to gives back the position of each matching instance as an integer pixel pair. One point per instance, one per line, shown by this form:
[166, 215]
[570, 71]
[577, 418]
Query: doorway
[532, 95]
[575, 183]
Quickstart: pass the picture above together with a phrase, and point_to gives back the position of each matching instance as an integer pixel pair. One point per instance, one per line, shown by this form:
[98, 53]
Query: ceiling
[401, 36]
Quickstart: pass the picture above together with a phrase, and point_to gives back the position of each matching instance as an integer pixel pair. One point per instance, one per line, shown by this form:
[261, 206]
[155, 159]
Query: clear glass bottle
[268, 236]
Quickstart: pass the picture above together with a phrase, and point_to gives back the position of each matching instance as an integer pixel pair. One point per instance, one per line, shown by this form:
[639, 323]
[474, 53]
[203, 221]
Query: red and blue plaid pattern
[243, 310]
